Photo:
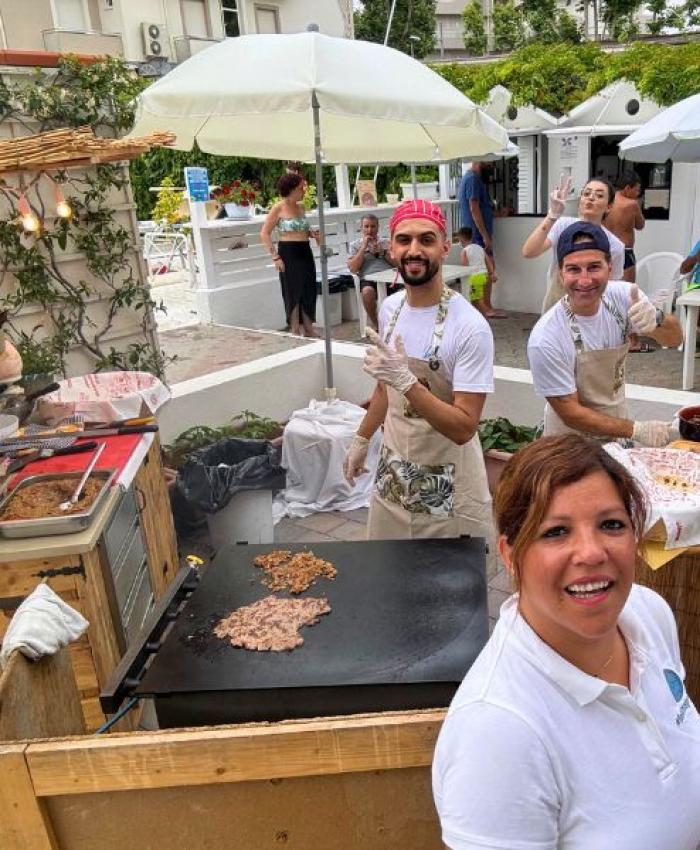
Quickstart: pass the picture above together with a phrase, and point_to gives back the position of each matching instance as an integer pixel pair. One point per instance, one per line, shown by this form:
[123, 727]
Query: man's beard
[428, 273]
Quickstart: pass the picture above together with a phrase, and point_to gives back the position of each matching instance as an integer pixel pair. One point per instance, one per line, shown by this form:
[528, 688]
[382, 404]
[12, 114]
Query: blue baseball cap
[582, 236]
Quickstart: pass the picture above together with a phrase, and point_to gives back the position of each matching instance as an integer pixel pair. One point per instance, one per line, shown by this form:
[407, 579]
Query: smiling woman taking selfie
[572, 730]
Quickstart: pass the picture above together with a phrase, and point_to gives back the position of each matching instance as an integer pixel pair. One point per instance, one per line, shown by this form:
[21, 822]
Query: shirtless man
[625, 217]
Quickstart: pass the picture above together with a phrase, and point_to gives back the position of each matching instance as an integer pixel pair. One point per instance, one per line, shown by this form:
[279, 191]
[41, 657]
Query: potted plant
[500, 439]
[237, 197]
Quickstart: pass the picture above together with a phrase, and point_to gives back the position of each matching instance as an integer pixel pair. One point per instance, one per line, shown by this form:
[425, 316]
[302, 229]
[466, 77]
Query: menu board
[197, 183]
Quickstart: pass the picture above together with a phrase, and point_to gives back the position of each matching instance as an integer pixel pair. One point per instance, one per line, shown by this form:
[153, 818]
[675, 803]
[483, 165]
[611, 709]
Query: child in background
[479, 262]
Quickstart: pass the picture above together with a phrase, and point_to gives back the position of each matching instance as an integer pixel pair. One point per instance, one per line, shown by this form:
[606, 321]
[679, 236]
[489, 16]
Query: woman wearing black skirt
[293, 258]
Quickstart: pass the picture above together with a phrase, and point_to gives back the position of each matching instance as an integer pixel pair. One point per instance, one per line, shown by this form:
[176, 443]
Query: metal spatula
[66, 506]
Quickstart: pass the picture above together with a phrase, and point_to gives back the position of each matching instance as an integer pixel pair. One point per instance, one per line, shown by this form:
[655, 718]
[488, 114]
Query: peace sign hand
[389, 365]
[558, 196]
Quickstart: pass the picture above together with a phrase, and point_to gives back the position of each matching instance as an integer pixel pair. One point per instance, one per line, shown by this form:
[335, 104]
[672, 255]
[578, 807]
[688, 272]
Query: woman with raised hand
[573, 729]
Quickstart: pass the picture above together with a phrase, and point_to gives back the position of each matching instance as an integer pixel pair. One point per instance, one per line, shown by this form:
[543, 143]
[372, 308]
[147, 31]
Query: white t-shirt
[536, 755]
[475, 257]
[551, 349]
[617, 247]
[466, 350]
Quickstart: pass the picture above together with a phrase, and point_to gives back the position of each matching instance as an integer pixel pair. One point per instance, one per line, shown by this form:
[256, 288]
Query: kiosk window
[514, 181]
[655, 178]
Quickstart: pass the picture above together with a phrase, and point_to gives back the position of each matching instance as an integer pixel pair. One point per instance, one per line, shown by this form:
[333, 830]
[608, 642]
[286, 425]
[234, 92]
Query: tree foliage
[411, 18]
[557, 77]
[508, 26]
[475, 40]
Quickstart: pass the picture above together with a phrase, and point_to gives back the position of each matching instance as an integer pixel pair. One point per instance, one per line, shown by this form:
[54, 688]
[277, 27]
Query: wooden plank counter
[346, 783]
[80, 569]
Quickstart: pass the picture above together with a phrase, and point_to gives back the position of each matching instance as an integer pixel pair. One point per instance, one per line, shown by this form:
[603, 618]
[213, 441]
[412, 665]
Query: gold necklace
[597, 675]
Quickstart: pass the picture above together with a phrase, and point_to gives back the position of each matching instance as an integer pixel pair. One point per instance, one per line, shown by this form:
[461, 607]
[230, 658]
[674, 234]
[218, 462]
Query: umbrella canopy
[672, 134]
[251, 96]
[309, 97]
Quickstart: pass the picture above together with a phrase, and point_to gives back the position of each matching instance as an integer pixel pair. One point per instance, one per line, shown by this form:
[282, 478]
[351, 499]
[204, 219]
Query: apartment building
[158, 33]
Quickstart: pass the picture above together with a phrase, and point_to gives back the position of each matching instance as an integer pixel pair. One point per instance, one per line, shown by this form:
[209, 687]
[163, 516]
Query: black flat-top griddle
[408, 619]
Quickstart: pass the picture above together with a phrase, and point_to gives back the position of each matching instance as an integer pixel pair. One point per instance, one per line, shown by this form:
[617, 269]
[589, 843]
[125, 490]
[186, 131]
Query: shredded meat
[271, 623]
[42, 499]
[294, 573]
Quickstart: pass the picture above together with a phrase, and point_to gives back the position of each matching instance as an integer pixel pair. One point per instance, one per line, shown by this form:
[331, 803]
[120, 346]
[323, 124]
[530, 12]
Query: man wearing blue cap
[577, 349]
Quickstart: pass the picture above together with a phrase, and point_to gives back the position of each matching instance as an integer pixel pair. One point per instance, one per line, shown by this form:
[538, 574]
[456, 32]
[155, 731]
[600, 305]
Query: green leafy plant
[247, 425]
[475, 40]
[101, 95]
[240, 192]
[503, 435]
[169, 203]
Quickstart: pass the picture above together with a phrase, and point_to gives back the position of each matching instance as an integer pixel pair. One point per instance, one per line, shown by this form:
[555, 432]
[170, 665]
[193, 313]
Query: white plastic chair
[660, 270]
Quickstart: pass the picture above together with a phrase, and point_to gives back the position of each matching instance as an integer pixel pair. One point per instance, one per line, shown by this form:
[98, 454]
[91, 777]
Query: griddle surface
[402, 612]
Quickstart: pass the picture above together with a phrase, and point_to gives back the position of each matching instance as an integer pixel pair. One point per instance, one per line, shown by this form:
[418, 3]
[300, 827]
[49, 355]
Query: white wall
[275, 386]
[127, 16]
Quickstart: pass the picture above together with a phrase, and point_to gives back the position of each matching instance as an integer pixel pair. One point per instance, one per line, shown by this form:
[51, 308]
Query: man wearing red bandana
[433, 363]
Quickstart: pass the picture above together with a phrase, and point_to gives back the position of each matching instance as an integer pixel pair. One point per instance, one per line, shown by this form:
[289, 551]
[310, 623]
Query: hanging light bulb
[28, 219]
[63, 208]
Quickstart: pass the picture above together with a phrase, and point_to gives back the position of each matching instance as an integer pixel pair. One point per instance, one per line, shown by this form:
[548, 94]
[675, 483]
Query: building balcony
[188, 45]
[86, 43]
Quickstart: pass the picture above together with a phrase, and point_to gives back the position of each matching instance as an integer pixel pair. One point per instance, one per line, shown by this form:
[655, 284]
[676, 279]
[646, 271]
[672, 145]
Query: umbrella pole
[325, 293]
[414, 181]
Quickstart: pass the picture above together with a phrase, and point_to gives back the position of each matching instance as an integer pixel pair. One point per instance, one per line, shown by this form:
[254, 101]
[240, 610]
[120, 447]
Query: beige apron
[427, 485]
[600, 375]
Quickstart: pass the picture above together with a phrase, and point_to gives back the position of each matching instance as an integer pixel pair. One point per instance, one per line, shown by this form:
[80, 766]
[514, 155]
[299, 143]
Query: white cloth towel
[42, 625]
[313, 450]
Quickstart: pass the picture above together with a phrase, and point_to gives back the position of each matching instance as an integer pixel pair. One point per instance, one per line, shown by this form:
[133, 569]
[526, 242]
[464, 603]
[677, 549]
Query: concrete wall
[275, 386]
[23, 23]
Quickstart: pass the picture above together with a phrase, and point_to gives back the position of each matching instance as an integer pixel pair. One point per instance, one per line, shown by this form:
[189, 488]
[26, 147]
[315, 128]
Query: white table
[691, 302]
[450, 274]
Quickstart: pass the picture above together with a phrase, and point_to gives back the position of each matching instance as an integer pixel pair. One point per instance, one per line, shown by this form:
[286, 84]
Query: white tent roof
[526, 119]
[609, 110]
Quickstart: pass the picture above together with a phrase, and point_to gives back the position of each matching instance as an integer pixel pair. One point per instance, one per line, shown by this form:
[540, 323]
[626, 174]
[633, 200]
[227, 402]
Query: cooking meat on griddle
[294, 573]
[271, 623]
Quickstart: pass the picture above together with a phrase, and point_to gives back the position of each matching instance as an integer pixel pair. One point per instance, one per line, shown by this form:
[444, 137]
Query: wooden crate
[344, 783]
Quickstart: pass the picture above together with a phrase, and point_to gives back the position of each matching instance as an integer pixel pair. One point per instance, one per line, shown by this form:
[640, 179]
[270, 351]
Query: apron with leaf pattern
[427, 485]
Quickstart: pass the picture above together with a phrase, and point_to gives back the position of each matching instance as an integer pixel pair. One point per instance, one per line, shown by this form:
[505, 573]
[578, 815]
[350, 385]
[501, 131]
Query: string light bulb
[28, 219]
[63, 208]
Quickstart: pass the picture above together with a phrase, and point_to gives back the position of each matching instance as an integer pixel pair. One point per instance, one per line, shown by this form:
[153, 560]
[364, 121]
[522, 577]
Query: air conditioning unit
[155, 40]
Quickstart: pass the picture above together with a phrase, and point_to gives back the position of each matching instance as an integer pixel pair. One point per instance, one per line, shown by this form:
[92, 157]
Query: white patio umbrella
[672, 134]
[312, 97]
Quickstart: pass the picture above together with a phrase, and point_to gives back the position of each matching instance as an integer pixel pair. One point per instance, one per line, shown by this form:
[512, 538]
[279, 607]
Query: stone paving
[202, 349]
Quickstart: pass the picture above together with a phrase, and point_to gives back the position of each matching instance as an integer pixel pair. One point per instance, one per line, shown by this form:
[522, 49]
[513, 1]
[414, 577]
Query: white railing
[238, 284]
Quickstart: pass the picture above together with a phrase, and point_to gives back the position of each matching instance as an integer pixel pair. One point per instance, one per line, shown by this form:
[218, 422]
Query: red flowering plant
[239, 192]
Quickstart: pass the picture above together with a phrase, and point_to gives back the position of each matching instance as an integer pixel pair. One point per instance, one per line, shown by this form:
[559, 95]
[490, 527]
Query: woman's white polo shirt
[536, 755]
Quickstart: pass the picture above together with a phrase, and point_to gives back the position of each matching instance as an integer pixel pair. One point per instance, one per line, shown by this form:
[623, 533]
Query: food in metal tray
[271, 624]
[42, 499]
[294, 573]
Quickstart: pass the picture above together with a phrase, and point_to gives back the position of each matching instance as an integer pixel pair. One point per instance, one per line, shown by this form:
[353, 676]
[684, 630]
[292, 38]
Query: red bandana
[418, 208]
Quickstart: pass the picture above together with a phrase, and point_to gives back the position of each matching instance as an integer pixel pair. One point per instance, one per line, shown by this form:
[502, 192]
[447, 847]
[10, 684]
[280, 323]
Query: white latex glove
[389, 365]
[355, 459]
[558, 196]
[642, 313]
[652, 433]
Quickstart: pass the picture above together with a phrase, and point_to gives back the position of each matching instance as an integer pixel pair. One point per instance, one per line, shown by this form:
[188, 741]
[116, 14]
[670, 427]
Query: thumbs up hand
[389, 365]
[641, 313]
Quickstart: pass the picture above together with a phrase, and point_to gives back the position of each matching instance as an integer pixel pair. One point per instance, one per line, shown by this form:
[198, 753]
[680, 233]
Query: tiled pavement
[350, 525]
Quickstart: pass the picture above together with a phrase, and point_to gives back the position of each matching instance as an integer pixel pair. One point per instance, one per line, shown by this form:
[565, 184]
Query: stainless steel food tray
[43, 526]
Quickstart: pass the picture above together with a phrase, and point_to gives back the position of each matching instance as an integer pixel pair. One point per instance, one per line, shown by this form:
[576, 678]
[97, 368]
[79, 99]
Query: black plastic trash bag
[212, 476]
[336, 283]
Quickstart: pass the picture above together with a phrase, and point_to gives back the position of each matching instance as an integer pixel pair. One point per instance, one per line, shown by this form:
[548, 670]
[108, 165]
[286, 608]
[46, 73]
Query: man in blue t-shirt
[476, 212]
[692, 264]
